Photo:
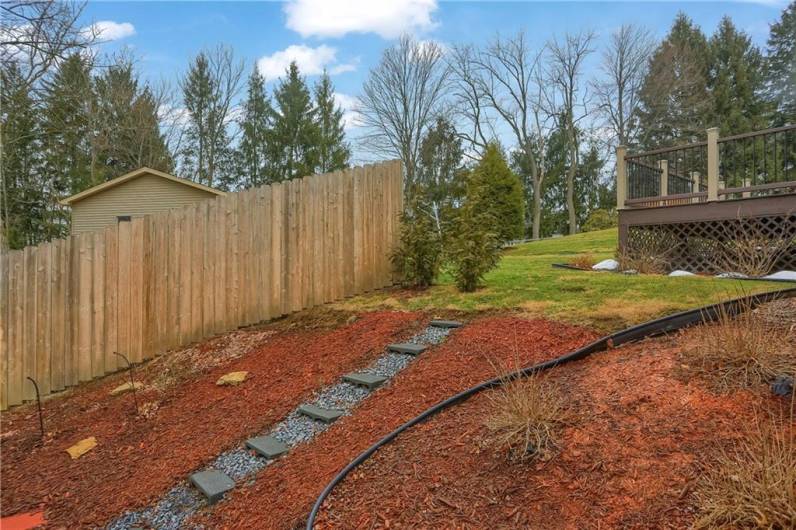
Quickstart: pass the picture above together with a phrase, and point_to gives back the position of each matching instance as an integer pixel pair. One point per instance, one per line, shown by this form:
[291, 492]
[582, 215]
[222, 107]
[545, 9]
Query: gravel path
[240, 464]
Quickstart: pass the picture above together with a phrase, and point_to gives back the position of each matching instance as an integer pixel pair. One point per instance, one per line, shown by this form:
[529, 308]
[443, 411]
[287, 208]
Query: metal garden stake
[132, 381]
[38, 404]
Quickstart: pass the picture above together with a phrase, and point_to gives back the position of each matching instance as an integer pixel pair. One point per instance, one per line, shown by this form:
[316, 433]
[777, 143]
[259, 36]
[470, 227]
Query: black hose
[648, 329]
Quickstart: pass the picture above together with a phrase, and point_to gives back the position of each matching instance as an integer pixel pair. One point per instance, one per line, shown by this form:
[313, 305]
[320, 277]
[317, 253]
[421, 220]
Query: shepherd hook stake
[132, 381]
[38, 404]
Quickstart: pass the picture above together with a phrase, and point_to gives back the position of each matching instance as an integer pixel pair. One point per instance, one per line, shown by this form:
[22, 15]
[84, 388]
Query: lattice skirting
[712, 246]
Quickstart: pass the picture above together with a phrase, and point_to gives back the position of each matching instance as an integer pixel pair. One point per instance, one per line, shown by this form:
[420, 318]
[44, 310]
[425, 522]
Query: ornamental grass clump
[526, 414]
[743, 350]
[752, 484]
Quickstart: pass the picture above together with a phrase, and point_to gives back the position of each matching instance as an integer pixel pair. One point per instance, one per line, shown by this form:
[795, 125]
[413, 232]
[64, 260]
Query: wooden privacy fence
[166, 280]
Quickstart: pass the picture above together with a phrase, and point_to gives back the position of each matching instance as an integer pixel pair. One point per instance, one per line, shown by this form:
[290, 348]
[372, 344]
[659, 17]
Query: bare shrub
[743, 350]
[749, 247]
[525, 415]
[649, 252]
[753, 484]
[583, 261]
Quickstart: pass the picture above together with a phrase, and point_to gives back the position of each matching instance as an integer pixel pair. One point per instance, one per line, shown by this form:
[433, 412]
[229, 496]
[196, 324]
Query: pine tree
[294, 137]
[127, 130]
[497, 191]
[781, 67]
[333, 151]
[211, 84]
[675, 103]
[736, 81]
[253, 160]
[24, 198]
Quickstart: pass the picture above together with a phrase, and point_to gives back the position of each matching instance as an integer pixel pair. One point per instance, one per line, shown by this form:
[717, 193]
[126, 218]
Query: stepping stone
[212, 483]
[267, 446]
[317, 413]
[407, 347]
[370, 381]
[448, 324]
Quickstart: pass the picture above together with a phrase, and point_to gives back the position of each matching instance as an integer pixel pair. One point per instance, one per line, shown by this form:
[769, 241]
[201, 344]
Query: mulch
[187, 424]
[283, 493]
[628, 457]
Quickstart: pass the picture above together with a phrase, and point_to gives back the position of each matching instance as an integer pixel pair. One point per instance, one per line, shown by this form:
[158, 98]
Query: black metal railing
[758, 159]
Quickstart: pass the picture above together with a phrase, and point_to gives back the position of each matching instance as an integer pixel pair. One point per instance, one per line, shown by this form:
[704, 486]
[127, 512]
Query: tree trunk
[537, 207]
[573, 167]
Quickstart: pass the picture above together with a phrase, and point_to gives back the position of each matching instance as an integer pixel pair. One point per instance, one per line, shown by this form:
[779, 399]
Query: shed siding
[140, 196]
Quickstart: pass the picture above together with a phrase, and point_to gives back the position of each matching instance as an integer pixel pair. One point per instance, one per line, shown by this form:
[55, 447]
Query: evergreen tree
[496, 190]
[736, 81]
[253, 160]
[126, 123]
[294, 137]
[440, 172]
[474, 244]
[211, 84]
[70, 159]
[675, 103]
[333, 151]
[781, 67]
[24, 198]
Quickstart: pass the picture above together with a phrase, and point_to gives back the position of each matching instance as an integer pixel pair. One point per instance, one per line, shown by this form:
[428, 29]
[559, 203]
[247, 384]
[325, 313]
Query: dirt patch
[186, 423]
[289, 486]
[629, 459]
[617, 313]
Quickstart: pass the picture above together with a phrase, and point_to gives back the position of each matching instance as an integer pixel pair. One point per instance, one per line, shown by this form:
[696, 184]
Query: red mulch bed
[137, 460]
[283, 493]
[628, 458]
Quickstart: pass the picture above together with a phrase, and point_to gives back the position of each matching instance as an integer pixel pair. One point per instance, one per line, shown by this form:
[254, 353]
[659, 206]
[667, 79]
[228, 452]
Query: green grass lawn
[526, 282]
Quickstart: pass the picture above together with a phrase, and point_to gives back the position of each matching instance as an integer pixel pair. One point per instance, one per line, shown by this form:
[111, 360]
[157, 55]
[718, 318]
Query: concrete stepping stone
[212, 483]
[317, 413]
[267, 446]
[446, 324]
[370, 381]
[407, 347]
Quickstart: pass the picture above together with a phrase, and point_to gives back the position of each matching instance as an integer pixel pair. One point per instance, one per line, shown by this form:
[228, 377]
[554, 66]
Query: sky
[347, 37]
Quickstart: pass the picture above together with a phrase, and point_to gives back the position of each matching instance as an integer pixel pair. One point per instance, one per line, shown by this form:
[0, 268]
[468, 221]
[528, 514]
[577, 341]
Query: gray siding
[147, 194]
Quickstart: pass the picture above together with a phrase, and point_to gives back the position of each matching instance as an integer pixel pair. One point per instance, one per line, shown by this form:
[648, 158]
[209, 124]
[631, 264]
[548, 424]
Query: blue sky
[347, 37]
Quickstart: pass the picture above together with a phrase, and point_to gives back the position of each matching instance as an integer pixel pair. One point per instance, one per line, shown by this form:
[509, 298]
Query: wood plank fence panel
[163, 281]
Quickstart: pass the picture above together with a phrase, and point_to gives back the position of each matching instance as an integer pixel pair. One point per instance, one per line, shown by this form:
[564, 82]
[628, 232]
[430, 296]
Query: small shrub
[417, 257]
[747, 247]
[742, 350]
[583, 261]
[754, 484]
[648, 252]
[600, 219]
[525, 415]
[473, 248]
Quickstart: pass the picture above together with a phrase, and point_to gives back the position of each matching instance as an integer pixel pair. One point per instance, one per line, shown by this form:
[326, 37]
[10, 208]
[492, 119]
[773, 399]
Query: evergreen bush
[473, 247]
[418, 255]
[497, 191]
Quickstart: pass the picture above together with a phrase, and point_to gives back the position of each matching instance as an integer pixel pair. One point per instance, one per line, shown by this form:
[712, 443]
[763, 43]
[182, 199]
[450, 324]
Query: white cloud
[349, 106]
[108, 30]
[335, 18]
[311, 61]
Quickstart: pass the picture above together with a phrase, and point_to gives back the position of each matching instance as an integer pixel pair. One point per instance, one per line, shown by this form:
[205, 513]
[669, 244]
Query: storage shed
[138, 193]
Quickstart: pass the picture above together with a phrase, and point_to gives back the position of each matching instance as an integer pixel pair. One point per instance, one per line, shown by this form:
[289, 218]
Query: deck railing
[747, 165]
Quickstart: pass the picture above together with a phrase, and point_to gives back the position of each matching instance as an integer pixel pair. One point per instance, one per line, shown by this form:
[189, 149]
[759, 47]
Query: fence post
[664, 167]
[621, 177]
[713, 164]
[746, 183]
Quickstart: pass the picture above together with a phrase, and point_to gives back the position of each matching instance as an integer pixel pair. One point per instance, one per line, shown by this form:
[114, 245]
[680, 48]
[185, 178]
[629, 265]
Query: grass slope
[526, 282]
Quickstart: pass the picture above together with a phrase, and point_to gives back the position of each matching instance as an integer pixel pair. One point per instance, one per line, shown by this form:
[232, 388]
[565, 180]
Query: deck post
[621, 177]
[664, 167]
[746, 183]
[695, 185]
[713, 164]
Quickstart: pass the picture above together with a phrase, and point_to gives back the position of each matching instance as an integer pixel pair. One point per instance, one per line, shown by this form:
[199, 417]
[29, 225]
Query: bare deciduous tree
[624, 66]
[36, 34]
[502, 85]
[401, 98]
[570, 100]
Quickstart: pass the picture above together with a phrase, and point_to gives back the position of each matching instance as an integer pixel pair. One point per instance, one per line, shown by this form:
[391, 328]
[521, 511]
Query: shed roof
[133, 175]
